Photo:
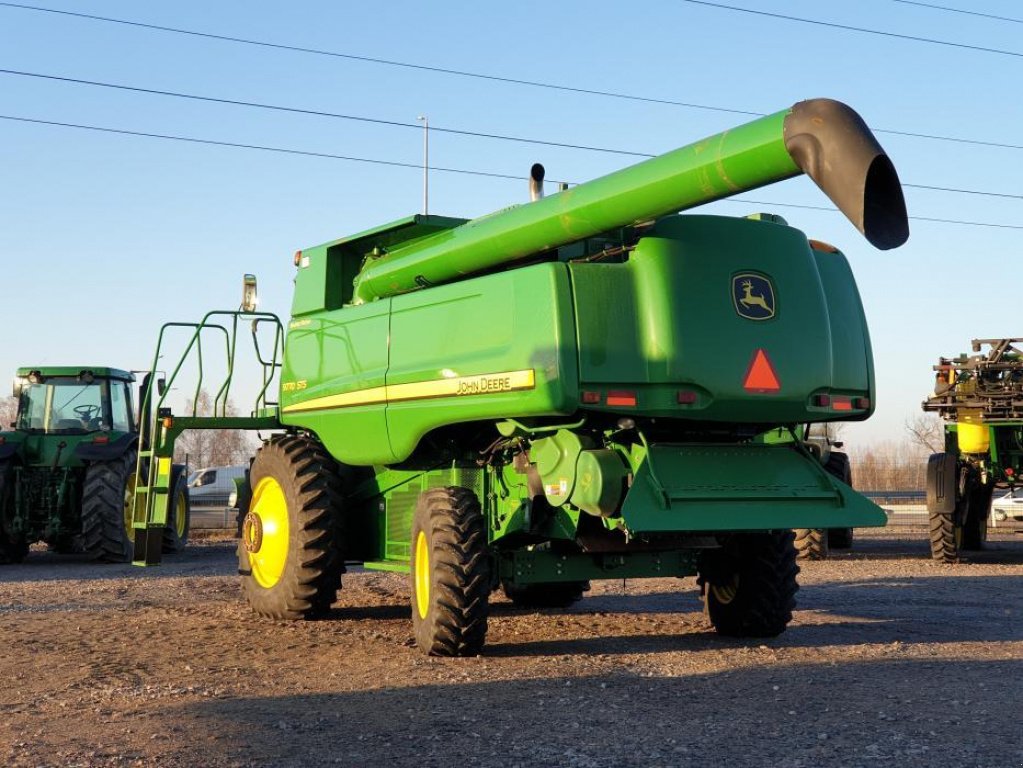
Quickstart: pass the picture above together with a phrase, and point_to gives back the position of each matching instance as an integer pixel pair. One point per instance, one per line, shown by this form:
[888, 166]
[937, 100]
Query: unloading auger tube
[822, 138]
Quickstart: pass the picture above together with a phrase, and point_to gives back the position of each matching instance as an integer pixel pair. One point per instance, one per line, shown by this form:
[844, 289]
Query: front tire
[749, 584]
[812, 543]
[450, 573]
[179, 517]
[290, 555]
[107, 494]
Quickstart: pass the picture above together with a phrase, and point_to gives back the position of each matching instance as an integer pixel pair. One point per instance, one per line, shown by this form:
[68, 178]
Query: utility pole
[426, 163]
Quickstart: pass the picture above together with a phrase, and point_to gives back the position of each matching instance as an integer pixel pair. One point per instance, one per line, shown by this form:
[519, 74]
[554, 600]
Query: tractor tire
[179, 517]
[450, 573]
[838, 466]
[291, 554]
[551, 595]
[966, 527]
[106, 510]
[749, 584]
[13, 548]
[812, 543]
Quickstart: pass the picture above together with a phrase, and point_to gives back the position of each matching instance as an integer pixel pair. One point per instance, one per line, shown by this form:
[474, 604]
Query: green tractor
[587, 386]
[980, 397]
[68, 470]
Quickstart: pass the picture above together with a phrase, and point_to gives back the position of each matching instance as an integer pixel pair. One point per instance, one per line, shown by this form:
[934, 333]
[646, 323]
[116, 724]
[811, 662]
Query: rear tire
[13, 548]
[179, 517]
[749, 584]
[291, 554]
[450, 574]
[812, 543]
[551, 595]
[106, 510]
[838, 466]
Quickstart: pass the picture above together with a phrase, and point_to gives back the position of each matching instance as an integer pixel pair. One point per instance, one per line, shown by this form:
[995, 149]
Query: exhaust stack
[536, 174]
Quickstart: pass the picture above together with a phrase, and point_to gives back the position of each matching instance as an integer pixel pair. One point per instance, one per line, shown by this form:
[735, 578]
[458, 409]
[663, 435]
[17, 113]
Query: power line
[961, 10]
[315, 113]
[747, 201]
[483, 76]
[417, 126]
[373, 60]
[865, 30]
[416, 166]
[262, 148]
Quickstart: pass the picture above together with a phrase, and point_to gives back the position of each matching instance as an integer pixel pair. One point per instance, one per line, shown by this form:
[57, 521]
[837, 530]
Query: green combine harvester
[980, 397]
[68, 470]
[587, 386]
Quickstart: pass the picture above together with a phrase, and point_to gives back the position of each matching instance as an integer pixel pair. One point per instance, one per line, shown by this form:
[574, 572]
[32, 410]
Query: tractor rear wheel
[450, 574]
[812, 543]
[291, 553]
[548, 595]
[966, 527]
[179, 517]
[107, 495]
[13, 548]
[838, 466]
[749, 584]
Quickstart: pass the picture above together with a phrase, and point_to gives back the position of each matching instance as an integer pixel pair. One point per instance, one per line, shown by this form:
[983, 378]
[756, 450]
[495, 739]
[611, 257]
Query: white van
[212, 486]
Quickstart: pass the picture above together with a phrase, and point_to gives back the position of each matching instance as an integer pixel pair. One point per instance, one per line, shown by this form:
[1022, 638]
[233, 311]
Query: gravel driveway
[891, 660]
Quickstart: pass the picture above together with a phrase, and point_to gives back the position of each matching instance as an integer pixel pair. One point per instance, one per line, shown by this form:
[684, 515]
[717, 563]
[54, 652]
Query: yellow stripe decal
[458, 386]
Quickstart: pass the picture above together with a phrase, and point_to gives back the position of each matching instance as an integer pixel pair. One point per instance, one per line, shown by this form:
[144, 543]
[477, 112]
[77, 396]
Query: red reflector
[591, 398]
[2, 439]
[1010, 471]
[842, 404]
[101, 439]
[822, 401]
[861, 403]
[621, 398]
[761, 376]
[686, 397]
[298, 258]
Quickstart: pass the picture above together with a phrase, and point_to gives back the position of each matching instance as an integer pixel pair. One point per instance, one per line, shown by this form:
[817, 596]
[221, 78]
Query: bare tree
[8, 411]
[927, 431]
[213, 448]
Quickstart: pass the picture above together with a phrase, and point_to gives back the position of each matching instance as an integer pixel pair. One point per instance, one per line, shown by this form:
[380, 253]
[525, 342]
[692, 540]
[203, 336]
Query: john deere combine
[980, 397]
[577, 388]
[67, 471]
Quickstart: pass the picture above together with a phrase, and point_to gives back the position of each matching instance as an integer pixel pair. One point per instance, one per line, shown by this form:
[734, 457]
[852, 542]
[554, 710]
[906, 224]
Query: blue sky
[163, 230]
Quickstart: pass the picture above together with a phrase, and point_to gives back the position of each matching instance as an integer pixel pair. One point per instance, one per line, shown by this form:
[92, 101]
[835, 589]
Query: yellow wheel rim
[725, 593]
[422, 575]
[179, 515]
[266, 535]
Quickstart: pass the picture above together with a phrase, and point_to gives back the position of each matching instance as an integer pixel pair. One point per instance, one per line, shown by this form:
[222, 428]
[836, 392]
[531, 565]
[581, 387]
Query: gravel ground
[890, 660]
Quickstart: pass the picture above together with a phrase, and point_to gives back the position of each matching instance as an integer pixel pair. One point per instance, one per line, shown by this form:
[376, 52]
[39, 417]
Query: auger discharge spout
[822, 138]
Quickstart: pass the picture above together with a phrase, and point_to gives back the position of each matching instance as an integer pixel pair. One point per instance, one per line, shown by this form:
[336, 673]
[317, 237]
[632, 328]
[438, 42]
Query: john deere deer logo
[753, 296]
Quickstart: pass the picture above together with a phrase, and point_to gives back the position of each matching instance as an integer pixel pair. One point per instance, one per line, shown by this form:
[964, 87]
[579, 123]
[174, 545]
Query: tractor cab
[73, 401]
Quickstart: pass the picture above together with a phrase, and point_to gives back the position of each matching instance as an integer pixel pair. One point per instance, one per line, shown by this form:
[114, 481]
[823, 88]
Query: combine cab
[980, 397]
[586, 386]
[68, 470]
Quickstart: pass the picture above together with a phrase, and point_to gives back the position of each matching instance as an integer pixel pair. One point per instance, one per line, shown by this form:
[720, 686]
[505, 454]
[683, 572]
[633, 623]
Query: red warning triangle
[761, 376]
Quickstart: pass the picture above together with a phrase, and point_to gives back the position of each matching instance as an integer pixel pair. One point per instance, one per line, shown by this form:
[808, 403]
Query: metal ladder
[154, 467]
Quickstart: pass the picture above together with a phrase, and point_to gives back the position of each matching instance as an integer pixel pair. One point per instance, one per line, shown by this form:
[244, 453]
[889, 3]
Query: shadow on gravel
[1002, 550]
[891, 712]
[213, 559]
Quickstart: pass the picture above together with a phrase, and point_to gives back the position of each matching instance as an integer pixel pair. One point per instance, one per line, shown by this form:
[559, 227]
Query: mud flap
[740, 487]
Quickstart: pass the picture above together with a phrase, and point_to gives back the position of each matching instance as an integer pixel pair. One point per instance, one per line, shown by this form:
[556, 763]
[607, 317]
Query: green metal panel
[645, 325]
[739, 487]
[525, 566]
[332, 353]
[508, 322]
